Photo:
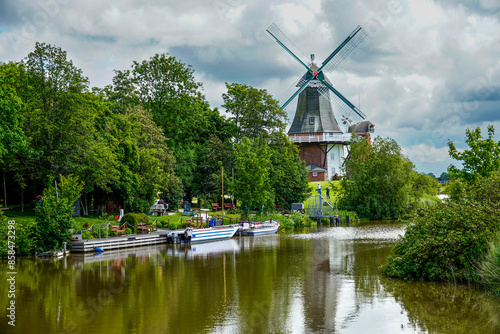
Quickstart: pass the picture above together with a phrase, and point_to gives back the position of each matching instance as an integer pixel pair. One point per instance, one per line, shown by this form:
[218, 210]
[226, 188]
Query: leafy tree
[480, 160]
[378, 182]
[145, 162]
[423, 184]
[444, 176]
[255, 112]
[54, 214]
[288, 173]
[61, 115]
[15, 146]
[167, 87]
[252, 185]
[214, 154]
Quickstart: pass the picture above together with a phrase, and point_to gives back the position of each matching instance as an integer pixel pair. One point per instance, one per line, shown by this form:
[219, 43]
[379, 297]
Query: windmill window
[311, 120]
[332, 156]
[311, 134]
[315, 174]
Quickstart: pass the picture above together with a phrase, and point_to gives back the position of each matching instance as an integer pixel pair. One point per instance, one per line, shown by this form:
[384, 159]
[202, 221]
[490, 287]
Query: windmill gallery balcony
[322, 138]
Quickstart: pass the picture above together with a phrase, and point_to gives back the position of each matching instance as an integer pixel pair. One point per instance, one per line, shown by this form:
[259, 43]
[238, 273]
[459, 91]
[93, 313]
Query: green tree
[215, 153]
[252, 184]
[15, 146]
[255, 112]
[288, 173]
[61, 115]
[54, 214]
[423, 184]
[444, 176]
[146, 165]
[378, 181]
[167, 87]
[481, 159]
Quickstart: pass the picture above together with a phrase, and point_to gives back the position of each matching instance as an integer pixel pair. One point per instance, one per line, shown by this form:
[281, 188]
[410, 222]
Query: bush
[87, 235]
[447, 241]
[490, 268]
[25, 238]
[173, 226]
[54, 214]
[133, 219]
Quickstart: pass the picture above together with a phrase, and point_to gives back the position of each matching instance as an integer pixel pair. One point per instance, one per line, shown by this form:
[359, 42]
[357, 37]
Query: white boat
[269, 226]
[212, 233]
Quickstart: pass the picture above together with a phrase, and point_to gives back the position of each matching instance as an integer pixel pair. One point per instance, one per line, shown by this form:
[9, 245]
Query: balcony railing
[336, 137]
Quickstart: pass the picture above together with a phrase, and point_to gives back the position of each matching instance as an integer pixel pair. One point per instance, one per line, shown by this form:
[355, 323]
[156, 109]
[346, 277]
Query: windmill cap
[362, 127]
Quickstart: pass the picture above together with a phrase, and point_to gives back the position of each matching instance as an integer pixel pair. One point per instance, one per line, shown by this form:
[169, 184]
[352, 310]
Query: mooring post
[348, 220]
[338, 221]
[332, 224]
[64, 248]
[318, 222]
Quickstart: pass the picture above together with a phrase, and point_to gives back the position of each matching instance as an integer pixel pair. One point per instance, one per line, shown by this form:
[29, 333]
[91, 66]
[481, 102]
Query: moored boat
[212, 233]
[265, 227]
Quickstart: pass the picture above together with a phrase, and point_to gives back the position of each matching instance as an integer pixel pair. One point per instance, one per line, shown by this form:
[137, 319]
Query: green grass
[334, 190]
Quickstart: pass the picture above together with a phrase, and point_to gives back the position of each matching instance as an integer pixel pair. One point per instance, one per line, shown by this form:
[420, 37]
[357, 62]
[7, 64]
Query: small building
[316, 173]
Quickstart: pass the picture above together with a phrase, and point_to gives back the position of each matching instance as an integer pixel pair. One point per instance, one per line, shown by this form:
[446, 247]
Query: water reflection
[317, 281]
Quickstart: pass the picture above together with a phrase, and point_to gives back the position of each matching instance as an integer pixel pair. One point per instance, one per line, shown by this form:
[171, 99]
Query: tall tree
[288, 173]
[145, 162]
[15, 146]
[255, 112]
[167, 87]
[252, 185]
[214, 155]
[481, 159]
[378, 182]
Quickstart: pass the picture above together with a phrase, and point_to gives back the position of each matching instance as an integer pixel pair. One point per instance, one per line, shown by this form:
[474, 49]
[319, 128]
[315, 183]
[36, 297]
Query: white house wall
[335, 159]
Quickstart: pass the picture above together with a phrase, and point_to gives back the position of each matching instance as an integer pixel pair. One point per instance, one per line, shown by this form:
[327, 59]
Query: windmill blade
[343, 50]
[301, 88]
[349, 107]
[285, 43]
[285, 95]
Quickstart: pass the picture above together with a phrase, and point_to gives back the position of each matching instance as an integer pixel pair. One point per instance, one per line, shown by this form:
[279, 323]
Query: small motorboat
[212, 233]
[265, 227]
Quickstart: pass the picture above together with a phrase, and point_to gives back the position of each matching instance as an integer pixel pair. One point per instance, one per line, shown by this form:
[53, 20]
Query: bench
[196, 223]
[215, 207]
[228, 206]
[143, 228]
[117, 230]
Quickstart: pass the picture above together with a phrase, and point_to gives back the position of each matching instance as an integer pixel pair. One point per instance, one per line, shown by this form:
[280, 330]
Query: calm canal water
[318, 281]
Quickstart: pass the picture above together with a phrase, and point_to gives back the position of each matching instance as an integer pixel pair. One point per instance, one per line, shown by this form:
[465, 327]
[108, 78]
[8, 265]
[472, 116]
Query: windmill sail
[287, 44]
[344, 50]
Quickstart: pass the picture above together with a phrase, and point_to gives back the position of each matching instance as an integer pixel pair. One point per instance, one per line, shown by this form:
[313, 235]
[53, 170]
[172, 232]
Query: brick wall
[312, 154]
[320, 177]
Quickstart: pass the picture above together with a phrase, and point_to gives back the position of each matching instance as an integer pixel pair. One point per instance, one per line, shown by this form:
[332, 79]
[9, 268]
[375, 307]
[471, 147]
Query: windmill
[314, 127]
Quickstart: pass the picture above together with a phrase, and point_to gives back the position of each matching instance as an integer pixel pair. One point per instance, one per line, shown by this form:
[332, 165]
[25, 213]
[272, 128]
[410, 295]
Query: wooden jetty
[131, 240]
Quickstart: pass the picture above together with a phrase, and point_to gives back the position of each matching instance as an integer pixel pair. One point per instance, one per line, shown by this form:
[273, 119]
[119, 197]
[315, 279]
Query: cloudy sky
[427, 71]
